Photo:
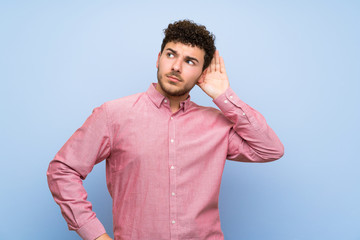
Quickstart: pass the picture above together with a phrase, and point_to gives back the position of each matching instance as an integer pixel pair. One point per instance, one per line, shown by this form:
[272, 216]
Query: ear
[157, 61]
[202, 76]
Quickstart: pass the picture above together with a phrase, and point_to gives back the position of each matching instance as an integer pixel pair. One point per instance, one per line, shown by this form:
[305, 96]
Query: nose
[177, 65]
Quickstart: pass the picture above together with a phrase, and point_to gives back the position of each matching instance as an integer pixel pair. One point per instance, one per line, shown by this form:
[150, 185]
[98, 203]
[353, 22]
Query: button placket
[173, 175]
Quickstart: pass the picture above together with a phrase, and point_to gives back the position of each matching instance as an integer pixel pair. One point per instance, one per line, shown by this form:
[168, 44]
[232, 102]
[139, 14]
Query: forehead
[186, 50]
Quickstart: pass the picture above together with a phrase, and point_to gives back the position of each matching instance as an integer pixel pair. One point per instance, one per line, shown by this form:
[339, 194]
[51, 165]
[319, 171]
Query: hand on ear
[214, 80]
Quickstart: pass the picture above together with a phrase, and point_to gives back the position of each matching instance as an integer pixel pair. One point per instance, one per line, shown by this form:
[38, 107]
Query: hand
[214, 80]
[104, 237]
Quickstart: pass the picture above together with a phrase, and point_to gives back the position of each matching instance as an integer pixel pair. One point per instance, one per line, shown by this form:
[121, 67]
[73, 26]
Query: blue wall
[297, 62]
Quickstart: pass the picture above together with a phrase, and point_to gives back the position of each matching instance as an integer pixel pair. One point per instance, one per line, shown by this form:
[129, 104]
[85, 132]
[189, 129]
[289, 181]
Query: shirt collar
[157, 98]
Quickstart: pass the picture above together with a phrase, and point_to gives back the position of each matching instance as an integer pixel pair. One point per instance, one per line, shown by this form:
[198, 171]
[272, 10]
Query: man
[164, 154]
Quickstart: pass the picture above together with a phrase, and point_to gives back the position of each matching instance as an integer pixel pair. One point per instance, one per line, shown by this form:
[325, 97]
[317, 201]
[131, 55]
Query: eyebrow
[187, 57]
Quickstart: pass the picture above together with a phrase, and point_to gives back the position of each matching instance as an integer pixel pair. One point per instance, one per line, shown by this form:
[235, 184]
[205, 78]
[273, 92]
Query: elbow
[280, 151]
[54, 174]
[58, 173]
[50, 171]
[53, 170]
[51, 175]
[276, 153]
[272, 155]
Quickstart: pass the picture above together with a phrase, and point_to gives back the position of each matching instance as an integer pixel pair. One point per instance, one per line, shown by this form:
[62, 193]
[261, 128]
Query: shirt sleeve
[89, 145]
[251, 139]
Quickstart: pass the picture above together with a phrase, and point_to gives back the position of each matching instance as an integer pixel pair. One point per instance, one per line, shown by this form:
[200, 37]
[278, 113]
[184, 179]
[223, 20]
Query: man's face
[179, 69]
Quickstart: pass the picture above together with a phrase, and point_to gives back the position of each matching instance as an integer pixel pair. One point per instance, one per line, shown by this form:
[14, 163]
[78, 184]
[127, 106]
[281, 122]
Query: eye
[190, 62]
[170, 55]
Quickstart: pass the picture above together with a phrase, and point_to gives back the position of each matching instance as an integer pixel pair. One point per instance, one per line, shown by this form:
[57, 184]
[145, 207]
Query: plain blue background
[297, 62]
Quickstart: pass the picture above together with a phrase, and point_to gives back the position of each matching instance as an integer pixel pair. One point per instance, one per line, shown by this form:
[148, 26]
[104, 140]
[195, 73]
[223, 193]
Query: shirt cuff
[229, 101]
[91, 230]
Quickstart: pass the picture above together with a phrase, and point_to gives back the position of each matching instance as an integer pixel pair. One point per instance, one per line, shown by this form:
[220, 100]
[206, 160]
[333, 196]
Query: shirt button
[231, 96]
[173, 193]
[171, 118]
[226, 101]
[172, 167]
[173, 222]
[165, 101]
[172, 140]
[244, 114]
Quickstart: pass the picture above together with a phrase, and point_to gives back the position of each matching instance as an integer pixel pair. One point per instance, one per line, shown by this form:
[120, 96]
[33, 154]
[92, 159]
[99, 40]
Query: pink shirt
[163, 169]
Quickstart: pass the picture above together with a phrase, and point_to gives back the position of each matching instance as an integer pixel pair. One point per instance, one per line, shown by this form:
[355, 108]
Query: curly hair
[190, 33]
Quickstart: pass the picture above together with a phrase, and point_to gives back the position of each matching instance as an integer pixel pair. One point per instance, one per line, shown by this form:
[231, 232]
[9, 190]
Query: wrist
[218, 94]
[105, 236]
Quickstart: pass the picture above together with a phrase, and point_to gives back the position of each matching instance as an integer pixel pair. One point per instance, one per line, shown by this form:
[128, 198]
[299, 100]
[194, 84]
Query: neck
[174, 100]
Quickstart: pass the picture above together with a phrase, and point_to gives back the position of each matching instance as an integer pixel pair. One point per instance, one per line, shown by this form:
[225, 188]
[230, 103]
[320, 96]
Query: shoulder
[120, 107]
[203, 109]
[208, 114]
[123, 102]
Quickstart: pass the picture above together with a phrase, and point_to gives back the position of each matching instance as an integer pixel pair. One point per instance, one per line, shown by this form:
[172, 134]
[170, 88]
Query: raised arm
[251, 139]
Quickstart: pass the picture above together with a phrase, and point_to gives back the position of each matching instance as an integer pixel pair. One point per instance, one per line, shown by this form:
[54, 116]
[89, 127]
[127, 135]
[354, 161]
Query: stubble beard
[173, 93]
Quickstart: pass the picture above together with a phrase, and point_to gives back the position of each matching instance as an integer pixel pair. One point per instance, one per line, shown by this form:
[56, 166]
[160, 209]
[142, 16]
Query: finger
[222, 65]
[217, 61]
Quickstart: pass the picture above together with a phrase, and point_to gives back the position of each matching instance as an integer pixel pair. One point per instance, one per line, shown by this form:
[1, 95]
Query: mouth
[173, 78]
